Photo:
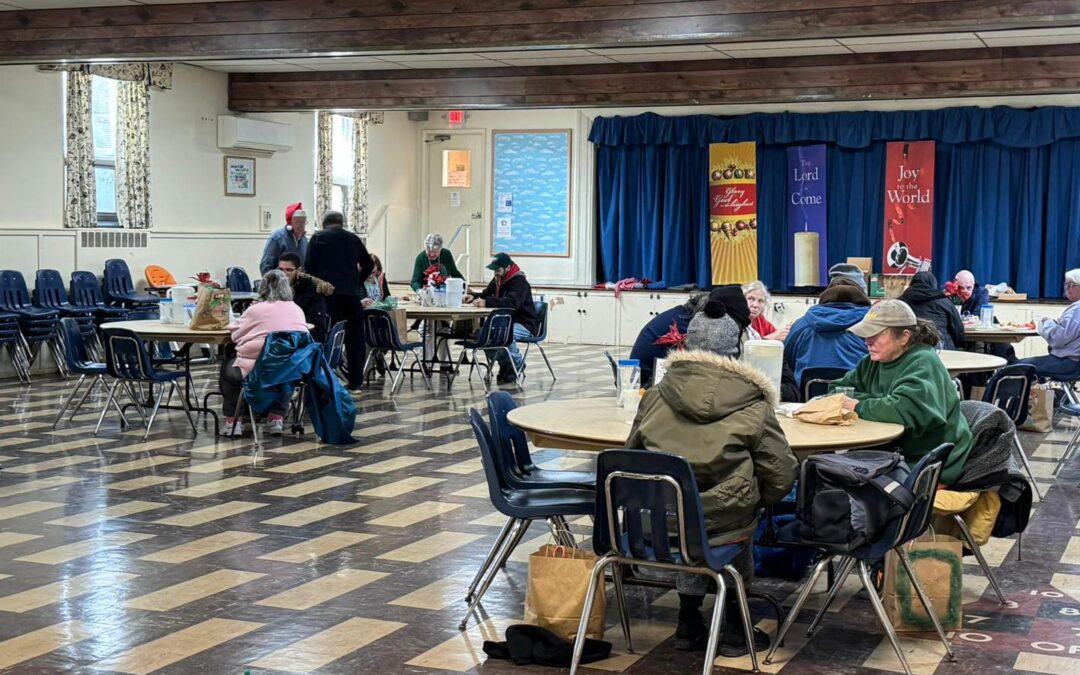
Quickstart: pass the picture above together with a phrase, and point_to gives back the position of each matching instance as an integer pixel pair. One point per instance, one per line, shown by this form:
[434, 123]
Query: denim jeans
[515, 353]
[1055, 367]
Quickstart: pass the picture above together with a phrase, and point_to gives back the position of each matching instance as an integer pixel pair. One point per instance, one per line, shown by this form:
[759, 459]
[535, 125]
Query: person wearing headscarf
[820, 338]
[718, 413]
[930, 304]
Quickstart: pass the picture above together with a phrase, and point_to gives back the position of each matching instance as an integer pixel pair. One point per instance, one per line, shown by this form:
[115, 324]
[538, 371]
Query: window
[103, 125]
[343, 164]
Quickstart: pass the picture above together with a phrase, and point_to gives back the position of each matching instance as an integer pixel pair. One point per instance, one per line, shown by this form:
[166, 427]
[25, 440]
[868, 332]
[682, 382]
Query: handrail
[468, 247]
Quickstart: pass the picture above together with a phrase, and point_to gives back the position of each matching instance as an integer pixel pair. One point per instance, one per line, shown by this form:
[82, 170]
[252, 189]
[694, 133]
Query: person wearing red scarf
[509, 290]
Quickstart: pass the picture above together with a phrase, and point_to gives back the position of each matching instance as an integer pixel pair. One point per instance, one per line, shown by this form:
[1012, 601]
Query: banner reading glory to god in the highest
[733, 212]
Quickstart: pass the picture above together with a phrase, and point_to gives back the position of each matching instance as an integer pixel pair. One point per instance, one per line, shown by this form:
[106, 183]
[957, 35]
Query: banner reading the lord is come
[909, 207]
[733, 212]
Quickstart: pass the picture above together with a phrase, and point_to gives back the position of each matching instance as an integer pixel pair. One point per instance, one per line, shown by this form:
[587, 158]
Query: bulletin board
[531, 192]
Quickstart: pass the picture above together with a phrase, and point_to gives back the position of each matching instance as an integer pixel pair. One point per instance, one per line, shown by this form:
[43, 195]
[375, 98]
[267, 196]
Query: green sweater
[446, 262]
[916, 391]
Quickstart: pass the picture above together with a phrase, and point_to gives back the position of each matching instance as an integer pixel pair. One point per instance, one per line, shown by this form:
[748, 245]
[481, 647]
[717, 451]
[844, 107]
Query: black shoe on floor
[733, 642]
[509, 378]
[691, 635]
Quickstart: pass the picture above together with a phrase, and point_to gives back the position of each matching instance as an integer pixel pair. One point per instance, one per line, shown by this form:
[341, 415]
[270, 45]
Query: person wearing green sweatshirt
[434, 254]
[902, 380]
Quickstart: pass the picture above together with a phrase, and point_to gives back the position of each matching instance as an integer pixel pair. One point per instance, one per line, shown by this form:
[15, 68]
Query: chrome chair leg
[838, 581]
[503, 534]
[717, 622]
[504, 553]
[744, 610]
[925, 600]
[71, 397]
[86, 394]
[977, 550]
[153, 413]
[546, 361]
[187, 409]
[420, 365]
[804, 593]
[595, 583]
[1067, 453]
[105, 408]
[1027, 465]
[620, 600]
[883, 619]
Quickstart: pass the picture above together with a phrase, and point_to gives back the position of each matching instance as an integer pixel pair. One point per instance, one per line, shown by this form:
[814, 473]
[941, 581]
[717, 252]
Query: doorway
[453, 195]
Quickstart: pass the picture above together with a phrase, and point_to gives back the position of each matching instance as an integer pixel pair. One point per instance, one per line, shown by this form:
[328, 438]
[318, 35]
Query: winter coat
[979, 297]
[514, 293]
[718, 413]
[930, 304]
[645, 349]
[820, 338]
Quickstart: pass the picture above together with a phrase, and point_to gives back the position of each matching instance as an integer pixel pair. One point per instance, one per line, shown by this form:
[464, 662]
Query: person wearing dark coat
[971, 292]
[930, 304]
[646, 349]
[509, 289]
[309, 293]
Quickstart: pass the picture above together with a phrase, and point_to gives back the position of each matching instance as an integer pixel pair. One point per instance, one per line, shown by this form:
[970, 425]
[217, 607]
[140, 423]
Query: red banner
[733, 212]
[909, 207]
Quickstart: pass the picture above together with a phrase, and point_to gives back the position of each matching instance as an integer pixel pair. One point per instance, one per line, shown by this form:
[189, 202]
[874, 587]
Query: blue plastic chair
[381, 336]
[1009, 389]
[540, 337]
[128, 361]
[37, 324]
[497, 333]
[81, 363]
[49, 293]
[86, 294]
[120, 290]
[639, 495]
[335, 345]
[522, 506]
[922, 482]
[237, 281]
[11, 337]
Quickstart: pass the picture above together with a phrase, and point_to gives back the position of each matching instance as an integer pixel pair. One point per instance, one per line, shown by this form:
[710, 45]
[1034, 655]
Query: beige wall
[31, 148]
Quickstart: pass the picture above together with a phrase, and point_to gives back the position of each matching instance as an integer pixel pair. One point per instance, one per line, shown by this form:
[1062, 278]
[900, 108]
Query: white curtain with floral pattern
[80, 192]
[133, 155]
[324, 165]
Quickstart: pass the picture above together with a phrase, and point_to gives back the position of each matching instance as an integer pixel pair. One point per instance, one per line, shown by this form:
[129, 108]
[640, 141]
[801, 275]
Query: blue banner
[806, 216]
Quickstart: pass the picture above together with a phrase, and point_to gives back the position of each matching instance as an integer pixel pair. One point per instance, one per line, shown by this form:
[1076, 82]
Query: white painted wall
[31, 149]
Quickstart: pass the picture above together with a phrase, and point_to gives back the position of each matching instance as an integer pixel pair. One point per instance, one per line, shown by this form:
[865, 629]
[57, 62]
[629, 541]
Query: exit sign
[455, 118]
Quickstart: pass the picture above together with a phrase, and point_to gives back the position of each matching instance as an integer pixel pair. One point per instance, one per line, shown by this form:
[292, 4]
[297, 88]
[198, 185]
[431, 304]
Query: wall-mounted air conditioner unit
[244, 133]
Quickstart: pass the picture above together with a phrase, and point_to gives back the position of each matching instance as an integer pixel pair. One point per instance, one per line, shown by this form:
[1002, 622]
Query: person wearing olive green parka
[902, 380]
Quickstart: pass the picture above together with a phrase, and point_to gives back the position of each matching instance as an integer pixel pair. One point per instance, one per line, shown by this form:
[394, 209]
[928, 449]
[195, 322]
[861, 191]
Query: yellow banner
[733, 212]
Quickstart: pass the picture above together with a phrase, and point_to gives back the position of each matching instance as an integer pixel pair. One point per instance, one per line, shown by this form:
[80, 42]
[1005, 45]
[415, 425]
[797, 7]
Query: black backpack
[847, 500]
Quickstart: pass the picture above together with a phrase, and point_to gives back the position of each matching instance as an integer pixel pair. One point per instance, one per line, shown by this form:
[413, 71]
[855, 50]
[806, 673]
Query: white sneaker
[231, 429]
[275, 427]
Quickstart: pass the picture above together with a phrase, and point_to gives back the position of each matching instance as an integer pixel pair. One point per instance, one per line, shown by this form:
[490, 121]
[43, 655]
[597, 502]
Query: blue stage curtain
[1007, 184]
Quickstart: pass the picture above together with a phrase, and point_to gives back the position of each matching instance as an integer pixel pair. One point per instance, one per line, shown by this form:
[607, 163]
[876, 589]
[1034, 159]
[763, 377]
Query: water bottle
[986, 316]
[165, 308]
[629, 383]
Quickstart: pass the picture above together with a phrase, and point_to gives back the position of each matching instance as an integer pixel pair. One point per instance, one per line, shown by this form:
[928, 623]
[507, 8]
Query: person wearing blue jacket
[820, 339]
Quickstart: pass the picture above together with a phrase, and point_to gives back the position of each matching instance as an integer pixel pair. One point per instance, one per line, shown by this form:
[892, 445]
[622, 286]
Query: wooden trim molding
[293, 28]
[845, 77]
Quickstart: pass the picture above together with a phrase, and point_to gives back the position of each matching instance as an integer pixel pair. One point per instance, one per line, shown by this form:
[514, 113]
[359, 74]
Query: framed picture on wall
[239, 176]
[531, 192]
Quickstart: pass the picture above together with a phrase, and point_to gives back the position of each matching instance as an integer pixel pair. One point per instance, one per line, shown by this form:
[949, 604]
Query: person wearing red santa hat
[292, 237]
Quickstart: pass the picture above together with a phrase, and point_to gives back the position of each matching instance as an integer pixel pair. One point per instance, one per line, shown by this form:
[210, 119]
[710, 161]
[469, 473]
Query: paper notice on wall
[455, 199]
[505, 202]
[503, 227]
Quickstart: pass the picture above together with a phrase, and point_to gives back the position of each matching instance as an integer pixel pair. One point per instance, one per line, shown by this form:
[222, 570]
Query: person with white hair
[974, 295]
[275, 311]
[1063, 337]
[434, 255]
[290, 239]
[757, 297]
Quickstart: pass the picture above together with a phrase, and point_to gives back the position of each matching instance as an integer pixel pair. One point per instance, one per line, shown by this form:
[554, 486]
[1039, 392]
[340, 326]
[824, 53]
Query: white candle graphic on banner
[807, 255]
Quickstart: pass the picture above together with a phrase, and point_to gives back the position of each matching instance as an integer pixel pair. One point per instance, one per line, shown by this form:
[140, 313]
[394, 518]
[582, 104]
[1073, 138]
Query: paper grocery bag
[828, 410]
[211, 308]
[555, 594]
[937, 562]
[1040, 410]
[397, 315]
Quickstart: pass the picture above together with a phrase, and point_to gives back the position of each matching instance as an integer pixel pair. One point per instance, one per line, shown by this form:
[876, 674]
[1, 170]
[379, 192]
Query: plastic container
[189, 313]
[986, 316]
[455, 291]
[629, 383]
[165, 307]
[440, 297]
[767, 356]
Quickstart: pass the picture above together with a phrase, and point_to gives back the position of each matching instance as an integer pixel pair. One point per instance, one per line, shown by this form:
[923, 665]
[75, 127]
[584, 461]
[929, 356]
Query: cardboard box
[895, 284]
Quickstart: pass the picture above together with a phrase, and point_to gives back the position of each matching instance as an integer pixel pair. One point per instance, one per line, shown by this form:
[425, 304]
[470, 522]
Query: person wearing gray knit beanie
[848, 271]
[715, 331]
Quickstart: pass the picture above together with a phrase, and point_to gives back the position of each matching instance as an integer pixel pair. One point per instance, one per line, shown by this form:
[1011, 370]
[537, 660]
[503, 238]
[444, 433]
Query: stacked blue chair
[120, 290]
[86, 294]
[540, 337]
[80, 363]
[522, 506]
[922, 483]
[640, 495]
[37, 324]
[49, 293]
[237, 281]
[128, 361]
[497, 334]
[11, 338]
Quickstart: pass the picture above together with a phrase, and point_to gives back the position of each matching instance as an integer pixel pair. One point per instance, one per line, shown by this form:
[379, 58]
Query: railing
[467, 227]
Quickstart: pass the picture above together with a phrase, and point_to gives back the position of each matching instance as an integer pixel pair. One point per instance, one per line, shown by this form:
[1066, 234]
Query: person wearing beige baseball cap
[902, 380]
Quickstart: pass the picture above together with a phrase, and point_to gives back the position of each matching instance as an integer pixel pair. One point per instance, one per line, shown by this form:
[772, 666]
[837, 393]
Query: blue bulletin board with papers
[531, 192]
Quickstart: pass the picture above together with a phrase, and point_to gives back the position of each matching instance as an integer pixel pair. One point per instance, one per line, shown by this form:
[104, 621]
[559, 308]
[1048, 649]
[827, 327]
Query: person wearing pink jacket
[275, 311]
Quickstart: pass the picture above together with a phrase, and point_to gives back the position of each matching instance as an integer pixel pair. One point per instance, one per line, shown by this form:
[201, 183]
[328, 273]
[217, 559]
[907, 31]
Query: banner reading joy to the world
[733, 212]
[806, 215]
[909, 207]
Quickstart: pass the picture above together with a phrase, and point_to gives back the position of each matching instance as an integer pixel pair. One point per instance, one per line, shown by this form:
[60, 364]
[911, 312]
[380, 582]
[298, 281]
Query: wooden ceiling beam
[295, 28]
[844, 77]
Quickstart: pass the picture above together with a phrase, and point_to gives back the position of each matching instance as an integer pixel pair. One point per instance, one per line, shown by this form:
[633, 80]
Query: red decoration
[673, 337]
[433, 275]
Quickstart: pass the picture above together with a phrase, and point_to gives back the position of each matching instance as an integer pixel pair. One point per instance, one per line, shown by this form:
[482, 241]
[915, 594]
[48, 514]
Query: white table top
[598, 424]
[977, 333]
[957, 362]
[155, 330]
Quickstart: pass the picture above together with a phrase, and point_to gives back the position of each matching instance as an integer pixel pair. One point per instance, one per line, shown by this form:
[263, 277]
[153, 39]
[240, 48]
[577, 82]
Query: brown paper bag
[211, 308]
[937, 561]
[397, 315]
[826, 410]
[1040, 410]
[555, 594]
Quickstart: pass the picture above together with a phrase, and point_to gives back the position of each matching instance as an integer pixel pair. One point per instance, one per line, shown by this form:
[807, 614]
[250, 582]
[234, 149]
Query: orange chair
[158, 278]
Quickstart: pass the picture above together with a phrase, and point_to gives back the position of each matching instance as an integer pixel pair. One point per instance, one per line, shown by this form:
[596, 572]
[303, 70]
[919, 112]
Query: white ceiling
[560, 57]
